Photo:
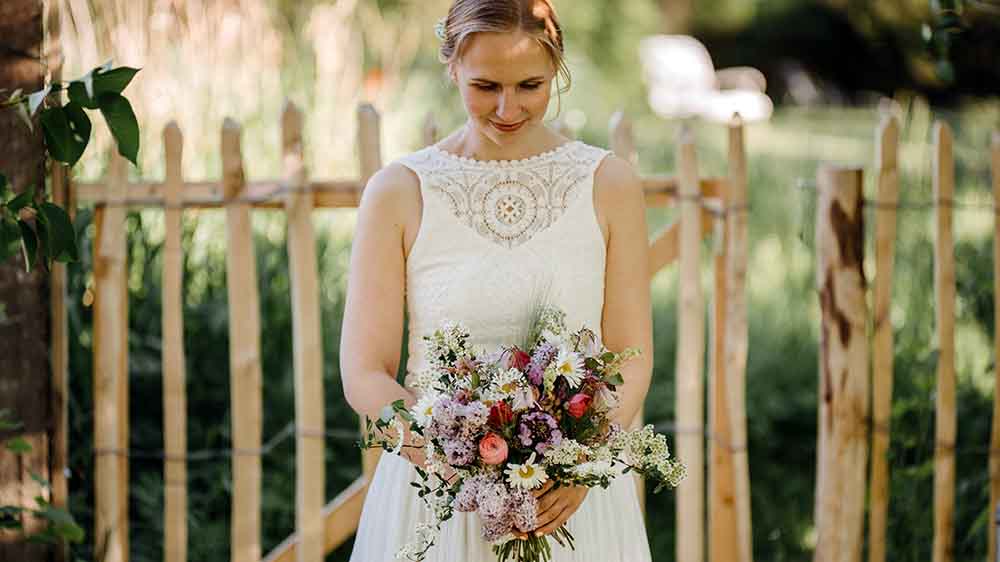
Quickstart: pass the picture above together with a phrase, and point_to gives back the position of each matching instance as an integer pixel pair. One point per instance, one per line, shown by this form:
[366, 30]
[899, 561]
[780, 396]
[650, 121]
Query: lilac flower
[539, 430]
[495, 528]
[524, 509]
[458, 452]
[540, 359]
[467, 499]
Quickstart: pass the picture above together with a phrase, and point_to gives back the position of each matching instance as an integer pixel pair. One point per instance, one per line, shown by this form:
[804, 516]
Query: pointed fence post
[244, 352]
[887, 197]
[307, 344]
[111, 372]
[994, 464]
[690, 354]
[944, 290]
[175, 531]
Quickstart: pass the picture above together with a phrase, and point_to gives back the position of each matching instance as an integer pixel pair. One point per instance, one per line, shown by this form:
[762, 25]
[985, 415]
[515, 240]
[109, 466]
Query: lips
[507, 128]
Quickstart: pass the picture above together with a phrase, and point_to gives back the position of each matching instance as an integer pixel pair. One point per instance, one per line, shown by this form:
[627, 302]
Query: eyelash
[492, 87]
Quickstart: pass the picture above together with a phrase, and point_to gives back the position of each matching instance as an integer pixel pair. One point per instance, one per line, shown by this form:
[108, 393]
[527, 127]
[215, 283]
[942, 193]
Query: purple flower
[495, 528]
[544, 353]
[458, 452]
[467, 499]
[539, 430]
[524, 509]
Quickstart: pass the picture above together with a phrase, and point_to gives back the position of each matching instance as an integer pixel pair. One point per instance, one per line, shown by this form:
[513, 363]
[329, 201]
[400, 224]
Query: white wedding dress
[495, 238]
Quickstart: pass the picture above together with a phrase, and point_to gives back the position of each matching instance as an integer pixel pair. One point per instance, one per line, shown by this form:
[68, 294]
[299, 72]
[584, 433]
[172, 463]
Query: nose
[508, 107]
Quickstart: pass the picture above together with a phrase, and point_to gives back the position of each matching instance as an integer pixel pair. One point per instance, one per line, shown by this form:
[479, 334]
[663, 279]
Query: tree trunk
[25, 387]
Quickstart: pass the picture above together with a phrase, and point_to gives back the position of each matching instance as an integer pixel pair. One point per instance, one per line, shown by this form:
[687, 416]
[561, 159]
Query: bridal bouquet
[497, 425]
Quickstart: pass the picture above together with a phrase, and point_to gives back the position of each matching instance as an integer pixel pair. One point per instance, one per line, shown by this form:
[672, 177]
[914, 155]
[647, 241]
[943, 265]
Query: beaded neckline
[505, 163]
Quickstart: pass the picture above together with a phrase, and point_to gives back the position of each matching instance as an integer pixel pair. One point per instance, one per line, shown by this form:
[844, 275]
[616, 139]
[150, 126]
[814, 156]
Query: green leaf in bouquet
[615, 379]
[607, 357]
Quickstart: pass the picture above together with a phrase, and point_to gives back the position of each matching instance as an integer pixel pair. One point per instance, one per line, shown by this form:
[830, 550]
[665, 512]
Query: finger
[550, 514]
[553, 524]
[547, 501]
[545, 488]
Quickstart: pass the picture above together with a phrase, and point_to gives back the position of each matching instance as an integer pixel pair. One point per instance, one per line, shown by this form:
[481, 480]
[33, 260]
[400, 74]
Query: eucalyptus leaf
[124, 127]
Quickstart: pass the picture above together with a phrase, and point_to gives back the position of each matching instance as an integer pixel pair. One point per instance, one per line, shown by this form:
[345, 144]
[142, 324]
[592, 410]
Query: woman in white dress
[476, 229]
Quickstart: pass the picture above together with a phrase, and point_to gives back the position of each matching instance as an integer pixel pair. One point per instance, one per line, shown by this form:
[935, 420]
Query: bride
[474, 229]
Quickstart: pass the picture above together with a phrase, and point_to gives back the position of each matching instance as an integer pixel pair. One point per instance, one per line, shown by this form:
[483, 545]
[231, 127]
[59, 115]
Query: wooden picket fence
[843, 440]
[706, 205]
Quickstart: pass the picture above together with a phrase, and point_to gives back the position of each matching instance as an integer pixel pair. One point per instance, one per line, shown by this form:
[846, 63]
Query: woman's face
[506, 81]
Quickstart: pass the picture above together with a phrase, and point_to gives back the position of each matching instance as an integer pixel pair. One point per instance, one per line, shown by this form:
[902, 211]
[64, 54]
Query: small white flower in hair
[440, 28]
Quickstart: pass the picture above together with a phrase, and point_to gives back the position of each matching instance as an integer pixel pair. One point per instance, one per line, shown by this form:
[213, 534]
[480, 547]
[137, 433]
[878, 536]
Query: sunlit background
[828, 66]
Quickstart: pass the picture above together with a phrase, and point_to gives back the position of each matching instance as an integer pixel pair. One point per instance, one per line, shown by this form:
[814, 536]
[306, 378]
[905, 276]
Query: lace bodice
[498, 237]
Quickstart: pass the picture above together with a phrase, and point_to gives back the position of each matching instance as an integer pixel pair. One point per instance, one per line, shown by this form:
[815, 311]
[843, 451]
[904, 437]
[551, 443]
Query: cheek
[537, 102]
[477, 102]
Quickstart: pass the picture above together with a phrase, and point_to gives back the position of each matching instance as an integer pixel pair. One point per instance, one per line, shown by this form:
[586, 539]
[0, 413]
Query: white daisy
[508, 382]
[528, 475]
[423, 410]
[569, 364]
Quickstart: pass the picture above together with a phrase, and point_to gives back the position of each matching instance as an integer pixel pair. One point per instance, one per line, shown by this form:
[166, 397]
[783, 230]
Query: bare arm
[627, 318]
[373, 314]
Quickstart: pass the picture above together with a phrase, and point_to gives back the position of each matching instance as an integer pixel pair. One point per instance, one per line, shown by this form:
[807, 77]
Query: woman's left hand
[556, 506]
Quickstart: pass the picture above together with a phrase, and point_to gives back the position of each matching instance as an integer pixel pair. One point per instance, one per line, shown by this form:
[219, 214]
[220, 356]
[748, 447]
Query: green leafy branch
[59, 523]
[29, 227]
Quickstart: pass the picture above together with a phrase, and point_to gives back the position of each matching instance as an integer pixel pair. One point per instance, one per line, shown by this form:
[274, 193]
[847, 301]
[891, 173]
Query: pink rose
[493, 449]
[578, 404]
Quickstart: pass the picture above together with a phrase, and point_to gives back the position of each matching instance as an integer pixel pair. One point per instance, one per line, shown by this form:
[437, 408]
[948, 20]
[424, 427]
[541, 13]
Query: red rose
[578, 404]
[493, 449]
[501, 414]
[521, 360]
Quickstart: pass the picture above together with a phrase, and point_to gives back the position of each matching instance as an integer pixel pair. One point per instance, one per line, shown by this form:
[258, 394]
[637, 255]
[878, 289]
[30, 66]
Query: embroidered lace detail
[510, 201]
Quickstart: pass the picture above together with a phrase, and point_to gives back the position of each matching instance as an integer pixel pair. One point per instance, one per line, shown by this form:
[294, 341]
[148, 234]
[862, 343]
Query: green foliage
[59, 523]
[46, 227]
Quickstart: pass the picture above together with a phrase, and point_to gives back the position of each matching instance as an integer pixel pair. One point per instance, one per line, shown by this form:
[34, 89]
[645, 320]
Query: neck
[471, 143]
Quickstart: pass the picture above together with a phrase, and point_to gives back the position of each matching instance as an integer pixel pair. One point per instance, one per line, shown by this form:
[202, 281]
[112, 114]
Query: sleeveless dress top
[496, 239]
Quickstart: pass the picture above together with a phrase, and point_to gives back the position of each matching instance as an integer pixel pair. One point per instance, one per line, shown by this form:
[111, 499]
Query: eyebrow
[532, 79]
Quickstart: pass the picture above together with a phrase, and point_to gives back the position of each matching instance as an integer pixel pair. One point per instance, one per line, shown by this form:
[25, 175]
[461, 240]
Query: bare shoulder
[616, 186]
[393, 193]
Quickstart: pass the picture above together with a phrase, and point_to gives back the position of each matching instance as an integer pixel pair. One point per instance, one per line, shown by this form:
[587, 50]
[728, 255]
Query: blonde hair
[536, 18]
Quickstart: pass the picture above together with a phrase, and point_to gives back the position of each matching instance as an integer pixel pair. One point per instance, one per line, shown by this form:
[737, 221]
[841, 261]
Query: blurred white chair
[683, 82]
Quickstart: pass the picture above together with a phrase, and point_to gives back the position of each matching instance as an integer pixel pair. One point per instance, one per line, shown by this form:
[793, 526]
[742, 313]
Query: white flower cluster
[451, 339]
[551, 324]
[426, 534]
[568, 452]
[645, 449]
[600, 469]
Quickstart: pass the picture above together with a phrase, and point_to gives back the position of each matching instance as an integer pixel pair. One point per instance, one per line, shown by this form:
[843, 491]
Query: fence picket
[308, 346]
[690, 353]
[175, 531]
[736, 335]
[244, 353]
[994, 463]
[110, 373]
[887, 138]
[944, 290]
